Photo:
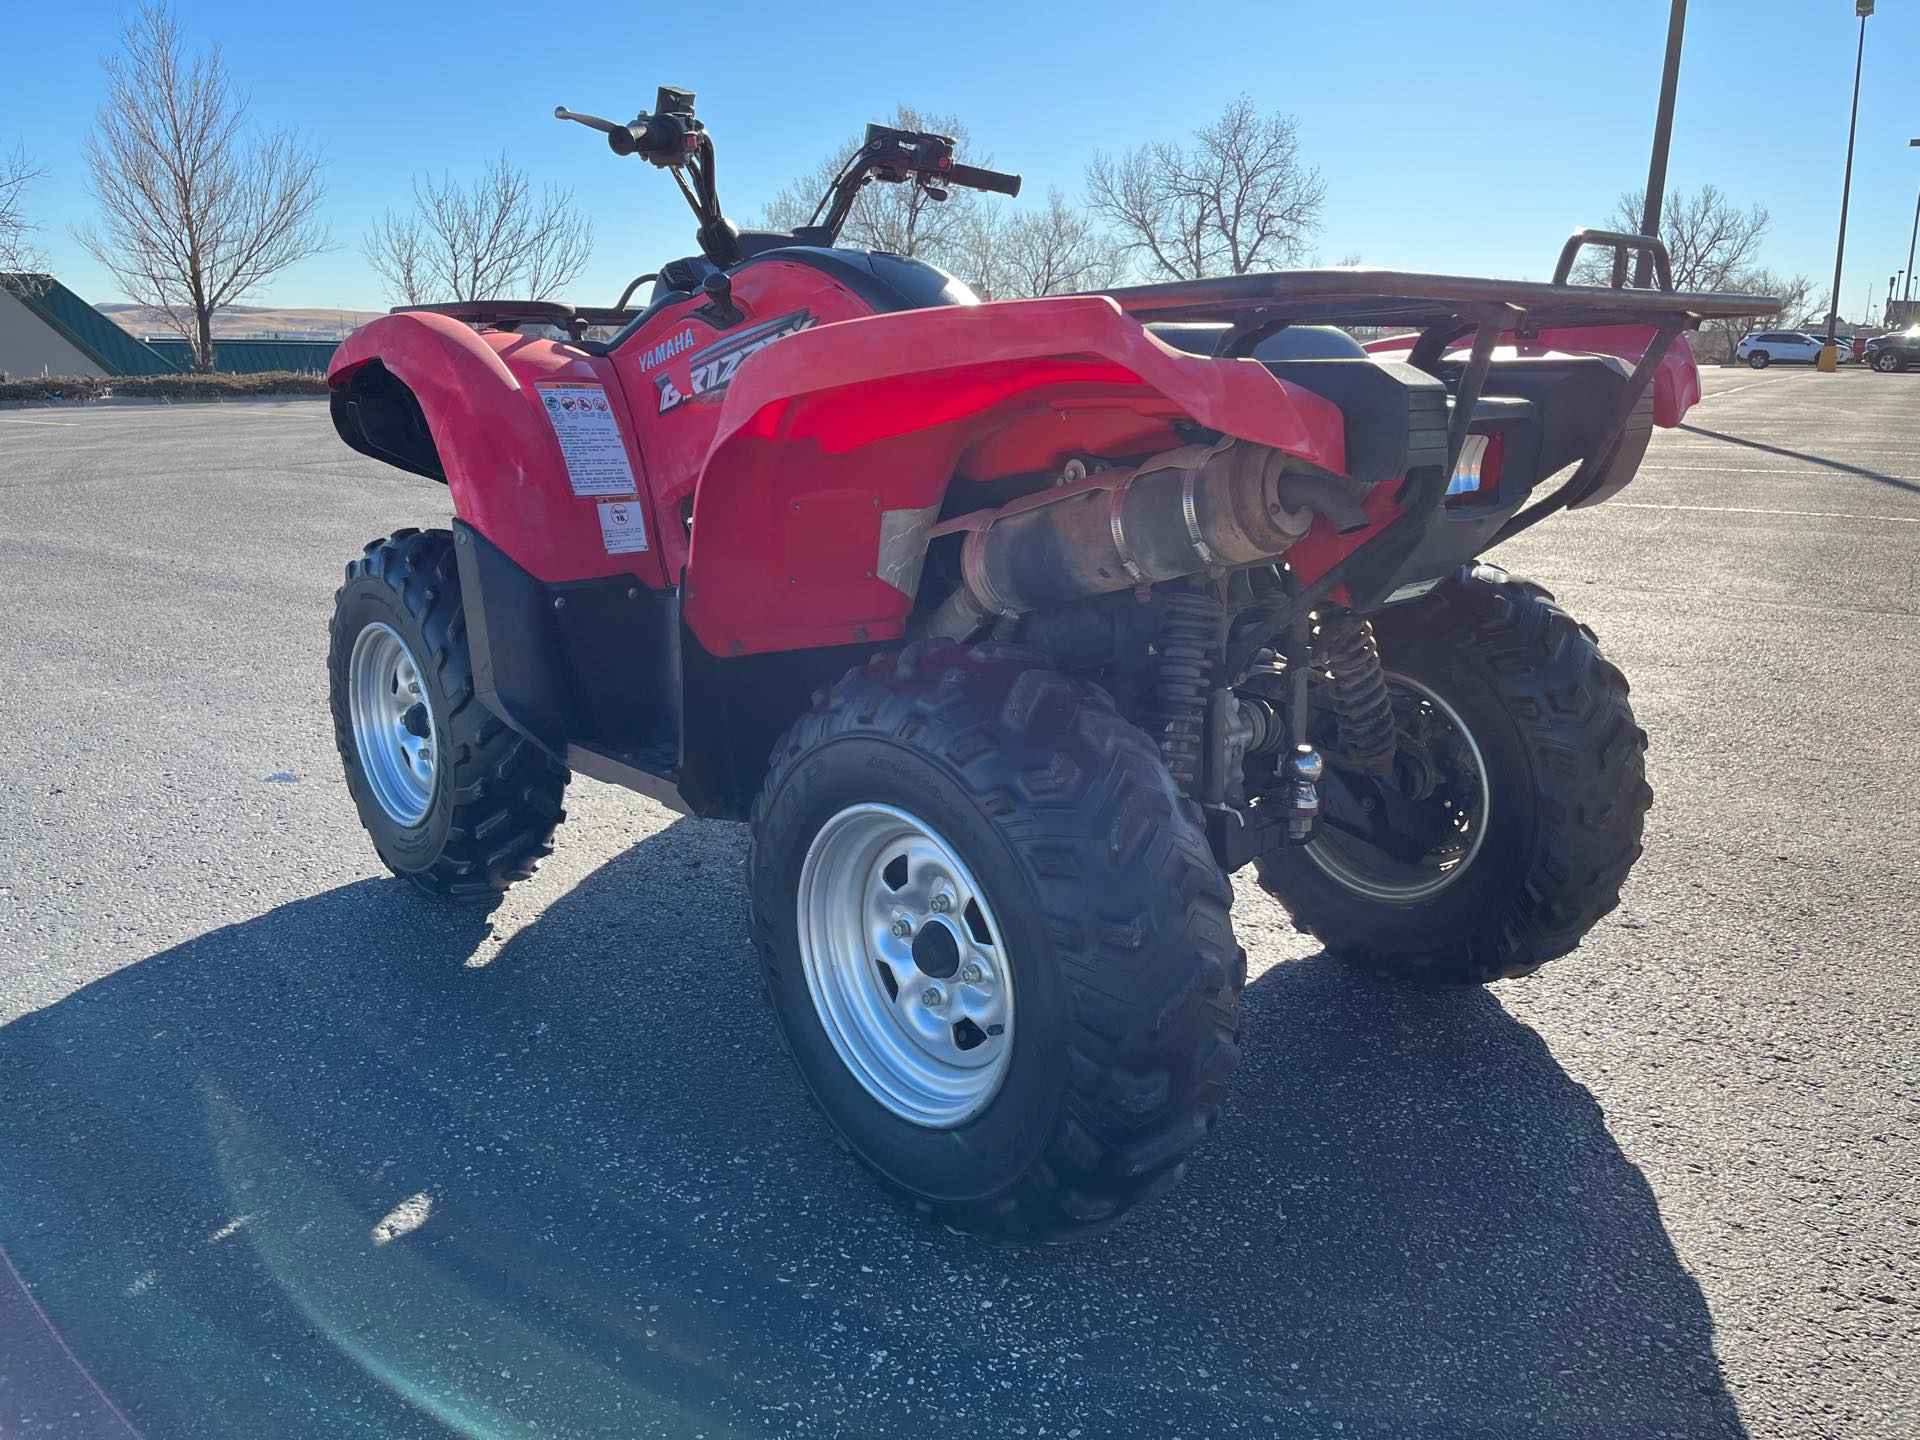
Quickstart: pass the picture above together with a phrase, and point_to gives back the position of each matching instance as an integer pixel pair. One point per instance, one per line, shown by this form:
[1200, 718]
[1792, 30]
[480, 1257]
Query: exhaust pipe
[1185, 511]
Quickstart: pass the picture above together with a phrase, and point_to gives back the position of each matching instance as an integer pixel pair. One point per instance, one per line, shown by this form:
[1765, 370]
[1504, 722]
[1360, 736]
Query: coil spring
[1187, 642]
[1346, 662]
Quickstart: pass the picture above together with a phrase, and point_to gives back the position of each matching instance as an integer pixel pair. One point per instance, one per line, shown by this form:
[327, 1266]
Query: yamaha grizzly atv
[1014, 629]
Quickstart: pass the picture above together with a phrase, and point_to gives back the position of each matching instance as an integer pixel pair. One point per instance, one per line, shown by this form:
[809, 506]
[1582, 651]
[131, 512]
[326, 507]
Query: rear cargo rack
[1411, 298]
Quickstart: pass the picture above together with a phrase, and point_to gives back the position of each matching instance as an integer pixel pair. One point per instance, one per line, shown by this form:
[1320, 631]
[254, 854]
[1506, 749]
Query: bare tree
[1708, 239]
[1714, 245]
[1053, 249]
[196, 211]
[1797, 303]
[1797, 310]
[1238, 199]
[904, 219]
[482, 241]
[16, 250]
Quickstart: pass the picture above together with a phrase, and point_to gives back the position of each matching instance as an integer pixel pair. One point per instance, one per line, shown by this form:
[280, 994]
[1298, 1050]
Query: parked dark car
[1892, 353]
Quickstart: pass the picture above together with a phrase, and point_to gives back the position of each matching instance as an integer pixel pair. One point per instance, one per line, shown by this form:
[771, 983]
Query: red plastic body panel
[792, 452]
[479, 393]
[657, 368]
[1676, 384]
[831, 429]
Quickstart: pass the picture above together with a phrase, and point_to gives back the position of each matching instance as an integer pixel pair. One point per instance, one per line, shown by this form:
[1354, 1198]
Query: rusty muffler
[1195, 509]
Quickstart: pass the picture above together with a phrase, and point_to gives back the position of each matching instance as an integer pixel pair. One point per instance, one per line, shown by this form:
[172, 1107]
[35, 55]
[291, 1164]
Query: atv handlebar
[672, 138]
[664, 137]
[912, 157]
[974, 178]
[920, 157]
[621, 139]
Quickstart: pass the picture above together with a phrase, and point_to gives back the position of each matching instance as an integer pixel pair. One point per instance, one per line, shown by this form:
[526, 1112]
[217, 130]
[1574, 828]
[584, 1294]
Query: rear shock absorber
[1346, 663]
[1187, 644]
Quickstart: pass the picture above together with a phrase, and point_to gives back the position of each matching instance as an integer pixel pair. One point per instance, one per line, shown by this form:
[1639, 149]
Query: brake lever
[621, 139]
[592, 122]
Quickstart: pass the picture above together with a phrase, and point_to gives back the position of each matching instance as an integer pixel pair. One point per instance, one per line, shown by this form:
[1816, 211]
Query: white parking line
[1784, 472]
[1750, 385]
[1754, 510]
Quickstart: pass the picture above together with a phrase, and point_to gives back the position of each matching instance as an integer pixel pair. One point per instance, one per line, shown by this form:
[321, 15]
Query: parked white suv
[1784, 347]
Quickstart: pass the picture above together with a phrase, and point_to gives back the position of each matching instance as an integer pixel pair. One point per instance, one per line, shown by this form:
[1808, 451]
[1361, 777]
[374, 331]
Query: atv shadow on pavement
[1823, 461]
[321, 1173]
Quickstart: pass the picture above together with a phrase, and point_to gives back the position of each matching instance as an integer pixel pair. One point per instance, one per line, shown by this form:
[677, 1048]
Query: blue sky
[1459, 137]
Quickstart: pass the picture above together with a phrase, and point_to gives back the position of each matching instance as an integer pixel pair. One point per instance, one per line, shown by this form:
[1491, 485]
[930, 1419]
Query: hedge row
[78, 390]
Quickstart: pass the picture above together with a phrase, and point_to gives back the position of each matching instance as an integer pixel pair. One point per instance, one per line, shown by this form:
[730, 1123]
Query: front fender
[834, 449]
[497, 449]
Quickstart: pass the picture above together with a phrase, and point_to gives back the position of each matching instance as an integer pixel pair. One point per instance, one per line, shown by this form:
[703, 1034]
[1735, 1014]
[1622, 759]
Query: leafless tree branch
[1798, 307]
[1054, 249]
[195, 211]
[16, 249]
[1709, 241]
[1714, 246]
[482, 241]
[1237, 200]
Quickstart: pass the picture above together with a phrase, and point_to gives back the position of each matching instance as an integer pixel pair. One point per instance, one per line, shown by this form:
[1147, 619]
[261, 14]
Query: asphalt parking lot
[1668, 1187]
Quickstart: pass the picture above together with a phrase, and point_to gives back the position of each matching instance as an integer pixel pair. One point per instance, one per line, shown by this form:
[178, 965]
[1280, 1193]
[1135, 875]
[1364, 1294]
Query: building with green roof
[46, 329]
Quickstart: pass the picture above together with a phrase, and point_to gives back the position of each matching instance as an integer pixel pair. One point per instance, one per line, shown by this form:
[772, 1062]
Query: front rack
[576, 320]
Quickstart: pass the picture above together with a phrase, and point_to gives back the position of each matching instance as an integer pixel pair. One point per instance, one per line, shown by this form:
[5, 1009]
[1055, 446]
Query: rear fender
[478, 396]
[835, 447]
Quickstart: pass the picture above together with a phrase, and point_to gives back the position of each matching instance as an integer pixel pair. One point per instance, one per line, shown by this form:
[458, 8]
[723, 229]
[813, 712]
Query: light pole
[1662, 138]
[1862, 8]
[1907, 293]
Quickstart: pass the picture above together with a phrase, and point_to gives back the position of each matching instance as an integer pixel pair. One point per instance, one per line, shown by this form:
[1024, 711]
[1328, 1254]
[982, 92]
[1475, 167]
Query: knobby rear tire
[1566, 767]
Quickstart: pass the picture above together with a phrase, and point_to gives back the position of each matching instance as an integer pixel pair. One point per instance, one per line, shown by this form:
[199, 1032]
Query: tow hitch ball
[1303, 802]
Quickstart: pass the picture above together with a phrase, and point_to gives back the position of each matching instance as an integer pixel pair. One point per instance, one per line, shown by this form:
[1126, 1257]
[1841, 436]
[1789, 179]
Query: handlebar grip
[975, 178]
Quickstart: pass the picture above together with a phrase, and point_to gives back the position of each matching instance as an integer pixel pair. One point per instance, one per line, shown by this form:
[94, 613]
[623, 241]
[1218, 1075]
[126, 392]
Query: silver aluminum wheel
[1367, 870]
[393, 726]
[906, 965]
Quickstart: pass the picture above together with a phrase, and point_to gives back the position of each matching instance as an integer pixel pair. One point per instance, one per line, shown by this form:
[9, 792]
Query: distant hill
[236, 321]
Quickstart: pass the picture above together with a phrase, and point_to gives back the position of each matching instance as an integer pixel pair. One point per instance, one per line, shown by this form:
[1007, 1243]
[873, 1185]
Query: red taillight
[1476, 474]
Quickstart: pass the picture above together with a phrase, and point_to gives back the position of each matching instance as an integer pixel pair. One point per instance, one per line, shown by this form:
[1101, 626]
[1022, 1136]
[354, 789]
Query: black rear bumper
[1552, 413]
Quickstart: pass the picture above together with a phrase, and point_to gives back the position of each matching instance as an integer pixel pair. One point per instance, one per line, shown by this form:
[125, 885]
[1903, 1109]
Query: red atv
[1014, 629]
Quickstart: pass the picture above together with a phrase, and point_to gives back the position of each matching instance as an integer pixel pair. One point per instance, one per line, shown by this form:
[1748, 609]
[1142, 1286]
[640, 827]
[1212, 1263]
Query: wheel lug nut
[971, 973]
[903, 927]
[932, 996]
[943, 902]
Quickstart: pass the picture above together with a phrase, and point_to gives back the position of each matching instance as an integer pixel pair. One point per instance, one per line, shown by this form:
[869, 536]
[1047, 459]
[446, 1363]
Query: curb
[118, 401]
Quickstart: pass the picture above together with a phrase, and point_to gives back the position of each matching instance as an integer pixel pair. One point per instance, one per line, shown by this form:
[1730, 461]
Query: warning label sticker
[589, 438]
[623, 530]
